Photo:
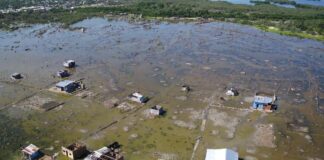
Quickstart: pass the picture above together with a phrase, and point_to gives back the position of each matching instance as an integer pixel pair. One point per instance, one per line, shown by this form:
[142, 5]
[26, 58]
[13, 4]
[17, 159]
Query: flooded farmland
[117, 57]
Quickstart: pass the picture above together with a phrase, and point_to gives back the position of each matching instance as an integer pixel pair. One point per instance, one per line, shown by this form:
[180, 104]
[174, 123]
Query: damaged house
[110, 152]
[75, 150]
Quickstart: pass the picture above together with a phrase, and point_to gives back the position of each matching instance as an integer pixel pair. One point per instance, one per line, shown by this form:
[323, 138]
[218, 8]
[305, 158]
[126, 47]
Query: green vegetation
[26, 3]
[307, 22]
[13, 3]
[11, 136]
[257, 2]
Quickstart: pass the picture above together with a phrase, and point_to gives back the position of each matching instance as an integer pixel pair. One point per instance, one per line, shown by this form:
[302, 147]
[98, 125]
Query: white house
[232, 92]
[157, 110]
[16, 76]
[221, 154]
[137, 97]
[69, 64]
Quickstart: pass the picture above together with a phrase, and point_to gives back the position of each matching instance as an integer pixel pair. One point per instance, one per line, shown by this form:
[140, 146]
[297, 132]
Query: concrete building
[157, 110]
[74, 151]
[111, 152]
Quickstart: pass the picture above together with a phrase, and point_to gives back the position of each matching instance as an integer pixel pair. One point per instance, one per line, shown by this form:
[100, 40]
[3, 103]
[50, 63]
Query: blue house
[67, 86]
[32, 152]
[260, 102]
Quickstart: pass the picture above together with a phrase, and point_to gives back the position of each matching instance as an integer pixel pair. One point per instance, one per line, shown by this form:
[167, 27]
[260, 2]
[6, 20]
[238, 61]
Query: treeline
[167, 9]
[308, 20]
[299, 20]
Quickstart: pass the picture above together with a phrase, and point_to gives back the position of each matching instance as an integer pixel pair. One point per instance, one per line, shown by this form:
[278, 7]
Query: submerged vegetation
[307, 22]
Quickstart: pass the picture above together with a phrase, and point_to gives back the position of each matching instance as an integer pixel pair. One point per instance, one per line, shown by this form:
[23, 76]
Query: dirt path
[110, 124]
[210, 102]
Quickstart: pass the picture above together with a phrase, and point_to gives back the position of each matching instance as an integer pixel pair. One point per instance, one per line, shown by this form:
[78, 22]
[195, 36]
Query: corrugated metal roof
[30, 149]
[262, 99]
[138, 95]
[103, 150]
[221, 154]
[64, 83]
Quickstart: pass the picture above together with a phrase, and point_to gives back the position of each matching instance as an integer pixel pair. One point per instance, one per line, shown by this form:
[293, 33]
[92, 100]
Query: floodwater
[307, 2]
[116, 57]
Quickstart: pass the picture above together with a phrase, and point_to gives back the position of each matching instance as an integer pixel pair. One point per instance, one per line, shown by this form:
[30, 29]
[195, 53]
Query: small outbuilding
[232, 92]
[69, 64]
[185, 88]
[67, 86]
[157, 110]
[221, 154]
[63, 73]
[16, 76]
[137, 97]
[74, 151]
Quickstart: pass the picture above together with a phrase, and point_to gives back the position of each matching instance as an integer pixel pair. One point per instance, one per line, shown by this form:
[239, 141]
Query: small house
[157, 110]
[16, 76]
[221, 154]
[67, 86]
[74, 151]
[32, 152]
[266, 103]
[137, 97]
[63, 73]
[185, 88]
[232, 92]
[69, 64]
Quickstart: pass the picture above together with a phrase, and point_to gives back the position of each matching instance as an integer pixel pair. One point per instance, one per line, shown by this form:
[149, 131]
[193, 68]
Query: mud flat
[119, 57]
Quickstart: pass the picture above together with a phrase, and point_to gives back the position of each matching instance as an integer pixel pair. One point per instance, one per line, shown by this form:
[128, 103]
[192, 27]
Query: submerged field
[118, 57]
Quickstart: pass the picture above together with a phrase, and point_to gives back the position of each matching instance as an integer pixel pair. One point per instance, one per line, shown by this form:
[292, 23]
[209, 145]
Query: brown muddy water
[117, 57]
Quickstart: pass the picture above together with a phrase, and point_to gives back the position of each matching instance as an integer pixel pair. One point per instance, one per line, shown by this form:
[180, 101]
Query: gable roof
[64, 83]
[30, 149]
